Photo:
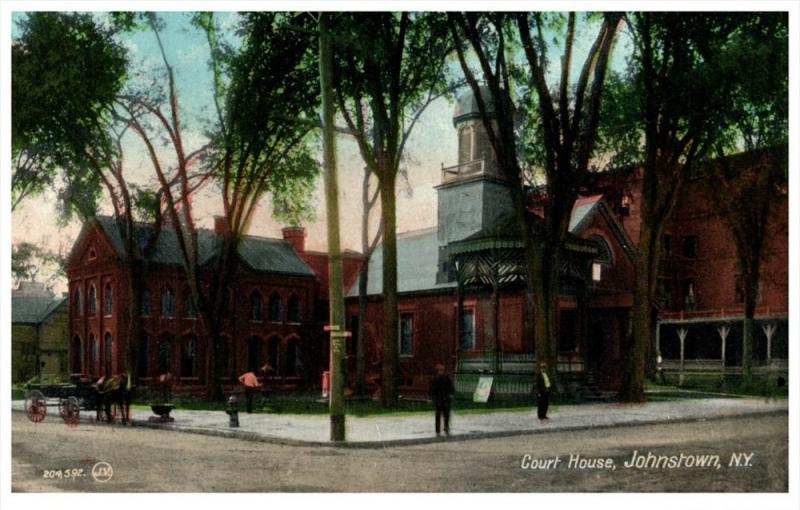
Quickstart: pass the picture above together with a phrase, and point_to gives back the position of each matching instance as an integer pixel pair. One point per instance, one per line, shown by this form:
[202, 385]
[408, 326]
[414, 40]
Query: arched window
[255, 306]
[144, 356]
[78, 302]
[294, 312]
[95, 357]
[108, 300]
[167, 303]
[189, 356]
[255, 354]
[273, 353]
[603, 260]
[189, 310]
[275, 308]
[92, 300]
[77, 355]
[165, 348]
[224, 356]
[292, 357]
[108, 358]
[144, 302]
[465, 145]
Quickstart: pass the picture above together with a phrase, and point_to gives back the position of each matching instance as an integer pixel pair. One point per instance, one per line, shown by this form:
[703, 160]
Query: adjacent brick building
[39, 332]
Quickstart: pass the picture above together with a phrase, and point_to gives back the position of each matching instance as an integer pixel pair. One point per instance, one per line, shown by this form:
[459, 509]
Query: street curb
[468, 436]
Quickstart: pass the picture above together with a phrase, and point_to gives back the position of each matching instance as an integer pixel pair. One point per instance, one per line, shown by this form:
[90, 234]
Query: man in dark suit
[442, 393]
[543, 392]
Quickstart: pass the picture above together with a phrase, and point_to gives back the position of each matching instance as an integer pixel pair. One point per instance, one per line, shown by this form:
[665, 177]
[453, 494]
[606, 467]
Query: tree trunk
[390, 372]
[748, 327]
[134, 278]
[632, 389]
[361, 364]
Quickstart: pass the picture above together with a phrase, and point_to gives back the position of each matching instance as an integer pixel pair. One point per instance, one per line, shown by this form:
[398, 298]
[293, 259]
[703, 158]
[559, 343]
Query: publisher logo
[102, 472]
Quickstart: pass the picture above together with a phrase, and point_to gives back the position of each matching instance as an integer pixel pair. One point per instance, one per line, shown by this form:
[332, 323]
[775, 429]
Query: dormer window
[92, 254]
[603, 259]
[625, 205]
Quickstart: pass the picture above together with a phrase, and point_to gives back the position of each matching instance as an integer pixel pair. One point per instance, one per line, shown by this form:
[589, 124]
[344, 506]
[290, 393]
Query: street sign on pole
[331, 327]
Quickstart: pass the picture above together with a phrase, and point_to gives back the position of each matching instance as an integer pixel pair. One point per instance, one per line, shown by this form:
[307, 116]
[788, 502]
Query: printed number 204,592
[63, 473]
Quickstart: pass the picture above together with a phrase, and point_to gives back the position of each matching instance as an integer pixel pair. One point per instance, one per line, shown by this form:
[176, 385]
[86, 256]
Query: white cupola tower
[474, 194]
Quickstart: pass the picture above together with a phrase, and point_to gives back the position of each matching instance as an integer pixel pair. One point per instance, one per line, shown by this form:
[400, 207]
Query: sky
[433, 143]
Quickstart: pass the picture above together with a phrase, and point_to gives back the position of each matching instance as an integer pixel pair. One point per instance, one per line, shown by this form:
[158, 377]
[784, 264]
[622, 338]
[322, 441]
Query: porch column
[723, 331]
[769, 331]
[496, 321]
[682, 332]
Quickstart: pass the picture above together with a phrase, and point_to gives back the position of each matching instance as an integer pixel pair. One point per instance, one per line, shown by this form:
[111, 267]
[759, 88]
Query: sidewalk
[380, 431]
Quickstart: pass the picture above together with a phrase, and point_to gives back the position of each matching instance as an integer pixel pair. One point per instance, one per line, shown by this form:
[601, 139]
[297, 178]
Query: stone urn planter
[162, 411]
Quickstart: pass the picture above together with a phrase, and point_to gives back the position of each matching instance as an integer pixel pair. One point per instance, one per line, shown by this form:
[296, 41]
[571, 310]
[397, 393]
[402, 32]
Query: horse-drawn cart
[70, 398]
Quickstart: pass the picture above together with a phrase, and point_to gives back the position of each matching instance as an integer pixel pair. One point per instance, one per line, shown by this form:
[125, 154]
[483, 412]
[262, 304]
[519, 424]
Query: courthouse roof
[417, 264]
[418, 251]
[261, 254]
[467, 105]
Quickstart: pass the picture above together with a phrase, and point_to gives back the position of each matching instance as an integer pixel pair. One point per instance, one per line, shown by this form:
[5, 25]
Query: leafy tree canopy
[67, 71]
[267, 103]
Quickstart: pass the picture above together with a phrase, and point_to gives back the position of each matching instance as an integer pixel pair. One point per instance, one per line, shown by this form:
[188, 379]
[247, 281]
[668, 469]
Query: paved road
[156, 460]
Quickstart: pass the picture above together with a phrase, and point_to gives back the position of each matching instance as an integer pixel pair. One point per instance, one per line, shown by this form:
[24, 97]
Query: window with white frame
[467, 331]
[406, 334]
[167, 303]
[108, 300]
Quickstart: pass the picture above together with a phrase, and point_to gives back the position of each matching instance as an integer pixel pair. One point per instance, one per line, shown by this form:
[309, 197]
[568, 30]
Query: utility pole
[336, 285]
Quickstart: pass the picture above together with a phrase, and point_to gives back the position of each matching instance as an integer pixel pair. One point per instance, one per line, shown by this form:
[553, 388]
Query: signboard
[331, 327]
[483, 390]
[326, 383]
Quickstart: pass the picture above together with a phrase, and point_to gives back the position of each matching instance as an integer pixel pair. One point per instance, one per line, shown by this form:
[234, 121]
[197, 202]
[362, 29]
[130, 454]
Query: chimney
[219, 225]
[32, 289]
[296, 236]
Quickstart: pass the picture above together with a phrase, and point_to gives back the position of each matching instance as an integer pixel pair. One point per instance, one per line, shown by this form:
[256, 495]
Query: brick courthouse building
[461, 287]
[461, 283]
[276, 309]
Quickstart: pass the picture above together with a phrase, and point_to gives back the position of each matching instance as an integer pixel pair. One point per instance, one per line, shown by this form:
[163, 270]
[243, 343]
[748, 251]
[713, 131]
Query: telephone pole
[336, 285]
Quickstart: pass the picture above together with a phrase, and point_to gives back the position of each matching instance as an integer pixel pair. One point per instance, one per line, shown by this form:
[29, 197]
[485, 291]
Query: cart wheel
[70, 411]
[35, 406]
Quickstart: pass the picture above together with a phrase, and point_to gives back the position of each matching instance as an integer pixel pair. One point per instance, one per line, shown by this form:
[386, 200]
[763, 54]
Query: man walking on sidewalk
[251, 386]
[442, 393]
[543, 392]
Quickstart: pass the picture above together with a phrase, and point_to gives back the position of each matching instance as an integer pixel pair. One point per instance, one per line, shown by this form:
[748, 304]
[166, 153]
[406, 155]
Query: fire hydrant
[233, 411]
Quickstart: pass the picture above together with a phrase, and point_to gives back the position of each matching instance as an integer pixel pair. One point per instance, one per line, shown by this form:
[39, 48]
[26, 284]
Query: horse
[116, 390]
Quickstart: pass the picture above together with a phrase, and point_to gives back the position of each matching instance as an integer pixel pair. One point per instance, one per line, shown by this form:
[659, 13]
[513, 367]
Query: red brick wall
[715, 269]
[106, 267]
